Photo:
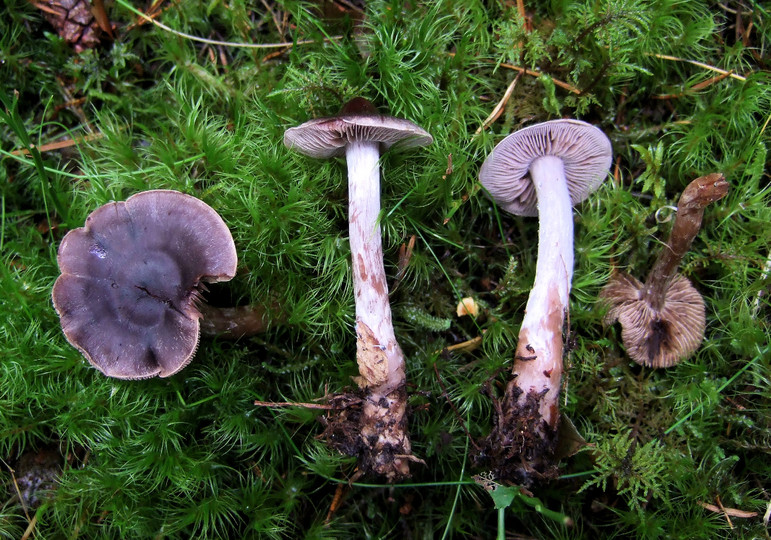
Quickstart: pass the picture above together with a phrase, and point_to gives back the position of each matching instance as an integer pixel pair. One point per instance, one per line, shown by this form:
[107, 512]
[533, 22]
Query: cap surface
[585, 151]
[130, 279]
[656, 338]
[357, 121]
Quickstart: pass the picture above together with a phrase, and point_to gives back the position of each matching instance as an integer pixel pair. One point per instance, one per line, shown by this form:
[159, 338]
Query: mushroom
[541, 170]
[131, 280]
[662, 320]
[360, 134]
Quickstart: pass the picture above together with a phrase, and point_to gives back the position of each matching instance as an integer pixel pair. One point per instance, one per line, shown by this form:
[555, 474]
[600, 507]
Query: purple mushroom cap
[357, 121]
[130, 279]
[585, 152]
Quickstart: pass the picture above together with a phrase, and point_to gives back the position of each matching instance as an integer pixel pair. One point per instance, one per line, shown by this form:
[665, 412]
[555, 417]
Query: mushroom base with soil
[522, 445]
[372, 427]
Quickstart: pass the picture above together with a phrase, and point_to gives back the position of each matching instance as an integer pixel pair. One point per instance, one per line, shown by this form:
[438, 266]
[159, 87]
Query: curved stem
[538, 360]
[690, 211]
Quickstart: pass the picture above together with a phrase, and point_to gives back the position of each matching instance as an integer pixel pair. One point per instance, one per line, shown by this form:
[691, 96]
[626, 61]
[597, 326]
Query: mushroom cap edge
[584, 149]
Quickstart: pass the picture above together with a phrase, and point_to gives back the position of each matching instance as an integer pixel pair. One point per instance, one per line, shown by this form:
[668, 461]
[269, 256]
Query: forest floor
[104, 100]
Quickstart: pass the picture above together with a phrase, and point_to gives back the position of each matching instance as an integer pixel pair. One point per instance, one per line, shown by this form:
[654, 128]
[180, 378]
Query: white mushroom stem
[538, 360]
[381, 361]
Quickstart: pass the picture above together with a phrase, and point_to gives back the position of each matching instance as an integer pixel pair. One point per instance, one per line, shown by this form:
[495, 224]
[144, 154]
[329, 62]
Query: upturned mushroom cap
[656, 338]
[584, 149]
[358, 120]
[130, 280]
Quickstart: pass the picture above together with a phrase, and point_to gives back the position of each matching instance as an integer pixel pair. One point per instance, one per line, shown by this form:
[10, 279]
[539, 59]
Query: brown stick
[320, 406]
[534, 73]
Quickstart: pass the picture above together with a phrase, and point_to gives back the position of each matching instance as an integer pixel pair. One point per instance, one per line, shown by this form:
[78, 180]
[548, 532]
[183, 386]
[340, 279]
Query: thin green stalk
[12, 118]
[446, 531]
[2, 222]
[458, 483]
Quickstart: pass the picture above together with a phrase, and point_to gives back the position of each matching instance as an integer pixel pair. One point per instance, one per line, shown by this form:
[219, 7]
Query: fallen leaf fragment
[467, 306]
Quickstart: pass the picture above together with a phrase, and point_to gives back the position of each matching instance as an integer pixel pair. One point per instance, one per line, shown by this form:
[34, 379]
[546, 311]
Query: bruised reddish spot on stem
[371, 357]
[545, 340]
[554, 410]
[380, 287]
[362, 268]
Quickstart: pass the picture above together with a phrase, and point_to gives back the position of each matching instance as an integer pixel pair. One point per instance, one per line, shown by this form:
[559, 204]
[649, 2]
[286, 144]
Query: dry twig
[536, 73]
[696, 63]
[222, 43]
[58, 145]
[320, 406]
[727, 511]
[340, 492]
[696, 87]
[498, 110]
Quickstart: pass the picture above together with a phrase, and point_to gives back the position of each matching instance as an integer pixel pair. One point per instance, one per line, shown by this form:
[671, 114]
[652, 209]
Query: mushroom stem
[540, 170]
[374, 324]
[380, 359]
[233, 322]
[376, 428]
[690, 211]
[538, 358]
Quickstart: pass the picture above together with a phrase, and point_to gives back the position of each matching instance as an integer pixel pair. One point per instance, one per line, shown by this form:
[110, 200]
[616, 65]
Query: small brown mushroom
[662, 320]
[131, 279]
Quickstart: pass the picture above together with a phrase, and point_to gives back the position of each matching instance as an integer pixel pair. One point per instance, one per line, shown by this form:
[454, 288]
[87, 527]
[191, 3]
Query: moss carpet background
[681, 88]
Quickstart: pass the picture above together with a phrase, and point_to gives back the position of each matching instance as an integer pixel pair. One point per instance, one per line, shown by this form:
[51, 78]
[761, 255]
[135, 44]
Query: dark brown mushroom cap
[656, 338]
[584, 149]
[130, 280]
[358, 121]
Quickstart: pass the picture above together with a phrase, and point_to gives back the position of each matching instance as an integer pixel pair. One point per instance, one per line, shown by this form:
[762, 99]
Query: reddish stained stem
[538, 358]
[381, 361]
[521, 445]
